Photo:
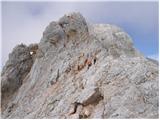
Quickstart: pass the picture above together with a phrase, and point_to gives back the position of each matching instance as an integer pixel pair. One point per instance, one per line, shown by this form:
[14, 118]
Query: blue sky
[24, 22]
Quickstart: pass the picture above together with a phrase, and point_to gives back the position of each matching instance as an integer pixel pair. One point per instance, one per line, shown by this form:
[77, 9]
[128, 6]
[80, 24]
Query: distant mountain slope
[154, 61]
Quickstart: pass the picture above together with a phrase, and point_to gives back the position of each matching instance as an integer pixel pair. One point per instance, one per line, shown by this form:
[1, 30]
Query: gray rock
[15, 70]
[73, 23]
[82, 70]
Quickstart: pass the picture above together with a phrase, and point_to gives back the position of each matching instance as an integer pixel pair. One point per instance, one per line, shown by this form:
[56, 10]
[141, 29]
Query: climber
[89, 63]
[94, 60]
[33, 49]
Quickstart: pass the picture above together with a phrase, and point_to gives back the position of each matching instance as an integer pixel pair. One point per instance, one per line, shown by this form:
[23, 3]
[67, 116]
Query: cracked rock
[80, 70]
[90, 96]
[15, 70]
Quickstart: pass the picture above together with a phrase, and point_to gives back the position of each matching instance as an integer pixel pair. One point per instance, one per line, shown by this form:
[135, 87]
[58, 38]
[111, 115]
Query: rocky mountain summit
[79, 70]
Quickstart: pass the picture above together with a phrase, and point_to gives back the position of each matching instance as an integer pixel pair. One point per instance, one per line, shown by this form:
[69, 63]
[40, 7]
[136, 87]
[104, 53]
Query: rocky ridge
[79, 70]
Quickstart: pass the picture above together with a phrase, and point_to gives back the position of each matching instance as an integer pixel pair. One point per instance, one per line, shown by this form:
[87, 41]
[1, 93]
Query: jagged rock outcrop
[15, 70]
[83, 70]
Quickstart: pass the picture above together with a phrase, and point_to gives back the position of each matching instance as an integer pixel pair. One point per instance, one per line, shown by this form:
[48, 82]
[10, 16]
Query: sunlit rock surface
[80, 70]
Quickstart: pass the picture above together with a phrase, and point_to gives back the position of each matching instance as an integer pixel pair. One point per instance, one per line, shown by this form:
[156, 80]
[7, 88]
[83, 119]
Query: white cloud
[154, 56]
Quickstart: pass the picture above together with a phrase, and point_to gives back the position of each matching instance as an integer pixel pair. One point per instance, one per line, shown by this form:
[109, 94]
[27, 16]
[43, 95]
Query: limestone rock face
[73, 23]
[81, 70]
[15, 70]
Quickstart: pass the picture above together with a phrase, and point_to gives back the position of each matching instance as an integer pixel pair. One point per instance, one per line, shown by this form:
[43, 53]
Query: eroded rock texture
[15, 70]
[80, 70]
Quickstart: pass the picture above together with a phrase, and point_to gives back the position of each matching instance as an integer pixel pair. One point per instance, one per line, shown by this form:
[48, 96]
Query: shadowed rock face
[15, 70]
[80, 70]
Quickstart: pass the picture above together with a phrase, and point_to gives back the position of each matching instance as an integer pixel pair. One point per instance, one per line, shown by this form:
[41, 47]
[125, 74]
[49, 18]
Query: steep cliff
[79, 70]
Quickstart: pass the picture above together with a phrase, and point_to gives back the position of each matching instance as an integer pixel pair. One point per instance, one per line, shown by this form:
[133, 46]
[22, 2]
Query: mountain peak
[79, 70]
